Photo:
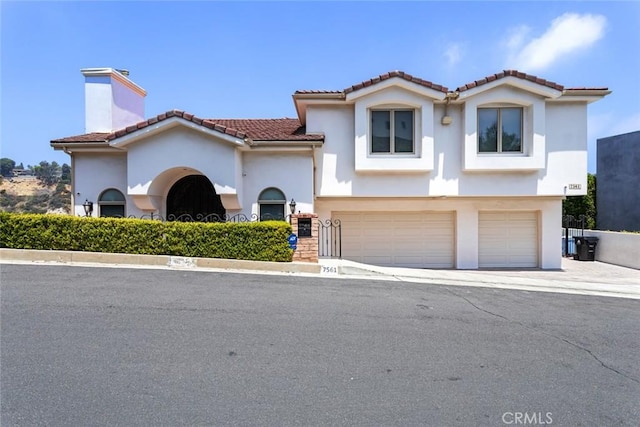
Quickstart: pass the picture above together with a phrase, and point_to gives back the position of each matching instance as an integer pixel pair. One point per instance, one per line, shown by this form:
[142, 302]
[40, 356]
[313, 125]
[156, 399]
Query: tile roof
[509, 73]
[285, 129]
[87, 137]
[378, 79]
[400, 74]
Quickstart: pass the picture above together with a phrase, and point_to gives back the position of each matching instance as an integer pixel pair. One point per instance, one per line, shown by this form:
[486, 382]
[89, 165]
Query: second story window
[392, 132]
[500, 130]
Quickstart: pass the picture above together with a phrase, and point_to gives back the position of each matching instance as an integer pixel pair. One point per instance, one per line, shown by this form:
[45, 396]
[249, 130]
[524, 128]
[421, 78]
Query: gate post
[305, 226]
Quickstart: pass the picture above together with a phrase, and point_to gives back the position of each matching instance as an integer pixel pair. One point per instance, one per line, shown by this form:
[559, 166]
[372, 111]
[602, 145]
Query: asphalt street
[104, 346]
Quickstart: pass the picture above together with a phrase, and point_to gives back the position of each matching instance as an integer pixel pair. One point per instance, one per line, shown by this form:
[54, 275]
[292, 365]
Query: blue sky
[245, 59]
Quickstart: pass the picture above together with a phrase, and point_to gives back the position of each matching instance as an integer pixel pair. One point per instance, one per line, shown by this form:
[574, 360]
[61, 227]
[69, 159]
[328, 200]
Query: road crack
[566, 341]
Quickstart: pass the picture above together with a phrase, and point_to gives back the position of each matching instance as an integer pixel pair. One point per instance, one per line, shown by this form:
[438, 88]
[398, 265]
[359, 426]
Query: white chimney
[112, 101]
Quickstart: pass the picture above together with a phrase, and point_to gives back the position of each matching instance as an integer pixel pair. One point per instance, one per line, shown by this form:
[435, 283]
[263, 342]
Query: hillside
[27, 194]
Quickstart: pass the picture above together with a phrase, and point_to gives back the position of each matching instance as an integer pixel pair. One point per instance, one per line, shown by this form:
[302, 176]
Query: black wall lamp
[88, 208]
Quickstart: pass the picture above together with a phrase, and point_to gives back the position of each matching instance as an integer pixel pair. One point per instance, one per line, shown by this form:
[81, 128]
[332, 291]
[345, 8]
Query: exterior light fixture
[292, 206]
[88, 208]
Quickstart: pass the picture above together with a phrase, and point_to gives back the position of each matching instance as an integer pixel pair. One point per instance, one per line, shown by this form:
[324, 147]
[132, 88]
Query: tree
[6, 167]
[65, 175]
[47, 174]
[583, 205]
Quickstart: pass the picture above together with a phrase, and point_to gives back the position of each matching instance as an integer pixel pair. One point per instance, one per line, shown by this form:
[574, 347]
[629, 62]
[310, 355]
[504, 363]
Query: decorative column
[305, 226]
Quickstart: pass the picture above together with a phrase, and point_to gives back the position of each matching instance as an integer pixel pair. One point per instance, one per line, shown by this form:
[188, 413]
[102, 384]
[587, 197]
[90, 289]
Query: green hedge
[258, 241]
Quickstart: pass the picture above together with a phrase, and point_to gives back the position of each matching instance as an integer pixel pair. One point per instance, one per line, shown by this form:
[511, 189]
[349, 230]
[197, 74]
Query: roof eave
[583, 95]
[397, 82]
[288, 143]
[522, 84]
[61, 145]
[173, 122]
[301, 100]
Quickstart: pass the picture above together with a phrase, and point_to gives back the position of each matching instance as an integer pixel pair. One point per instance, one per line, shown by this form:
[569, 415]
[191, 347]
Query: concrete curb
[32, 255]
[624, 286]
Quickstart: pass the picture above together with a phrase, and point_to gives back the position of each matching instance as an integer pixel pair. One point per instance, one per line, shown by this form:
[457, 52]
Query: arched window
[271, 202]
[112, 203]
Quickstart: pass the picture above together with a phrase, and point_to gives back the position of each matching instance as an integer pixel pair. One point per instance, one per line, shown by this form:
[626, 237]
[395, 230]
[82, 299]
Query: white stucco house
[418, 175]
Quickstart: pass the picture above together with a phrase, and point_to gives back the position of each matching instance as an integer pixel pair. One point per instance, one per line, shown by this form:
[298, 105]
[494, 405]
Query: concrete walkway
[575, 277]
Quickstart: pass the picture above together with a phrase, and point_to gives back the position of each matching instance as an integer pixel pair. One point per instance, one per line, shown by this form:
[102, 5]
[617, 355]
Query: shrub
[259, 241]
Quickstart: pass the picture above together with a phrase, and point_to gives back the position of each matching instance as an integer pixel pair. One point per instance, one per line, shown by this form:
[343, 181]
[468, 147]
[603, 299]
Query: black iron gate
[330, 238]
[573, 227]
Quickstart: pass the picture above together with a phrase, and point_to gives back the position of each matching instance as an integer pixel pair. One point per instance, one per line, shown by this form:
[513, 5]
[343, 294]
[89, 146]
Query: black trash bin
[585, 248]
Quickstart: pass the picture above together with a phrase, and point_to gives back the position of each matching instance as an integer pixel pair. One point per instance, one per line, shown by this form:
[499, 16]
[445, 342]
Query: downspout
[73, 180]
[313, 159]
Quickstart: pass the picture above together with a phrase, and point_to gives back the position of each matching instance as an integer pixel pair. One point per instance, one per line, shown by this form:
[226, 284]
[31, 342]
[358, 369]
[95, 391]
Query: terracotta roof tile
[509, 73]
[268, 129]
[88, 137]
[378, 79]
[257, 129]
[392, 74]
[319, 92]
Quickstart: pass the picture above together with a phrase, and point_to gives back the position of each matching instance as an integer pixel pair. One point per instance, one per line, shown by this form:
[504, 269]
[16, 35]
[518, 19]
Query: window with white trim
[392, 131]
[500, 130]
[112, 203]
[271, 204]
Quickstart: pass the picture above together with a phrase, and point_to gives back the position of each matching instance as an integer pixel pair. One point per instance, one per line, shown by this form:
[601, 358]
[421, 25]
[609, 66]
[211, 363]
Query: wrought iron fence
[572, 227]
[209, 218]
[330, 238]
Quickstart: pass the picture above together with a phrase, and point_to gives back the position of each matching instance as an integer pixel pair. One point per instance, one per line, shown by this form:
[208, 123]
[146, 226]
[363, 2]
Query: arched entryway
[194, 196]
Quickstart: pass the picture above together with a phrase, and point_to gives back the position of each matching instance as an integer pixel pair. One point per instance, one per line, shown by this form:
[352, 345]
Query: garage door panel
[410, 239]
[508, 239]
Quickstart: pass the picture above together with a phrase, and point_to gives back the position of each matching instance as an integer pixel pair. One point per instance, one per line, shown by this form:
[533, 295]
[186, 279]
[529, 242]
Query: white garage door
[508, 239]
[406, 239]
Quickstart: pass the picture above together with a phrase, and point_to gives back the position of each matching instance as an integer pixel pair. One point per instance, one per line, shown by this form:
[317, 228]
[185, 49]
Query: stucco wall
[95, 173]
[564, 158]
[181, 147]
[617, 248]
[618, 182]
[290, 173]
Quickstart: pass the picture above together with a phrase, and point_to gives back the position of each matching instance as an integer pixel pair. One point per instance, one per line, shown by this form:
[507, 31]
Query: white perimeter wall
[617, 248]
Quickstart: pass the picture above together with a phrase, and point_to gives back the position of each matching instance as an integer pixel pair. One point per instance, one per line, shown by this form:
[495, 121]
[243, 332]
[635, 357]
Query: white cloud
[453, 54]
[517, 37]
[568, 33]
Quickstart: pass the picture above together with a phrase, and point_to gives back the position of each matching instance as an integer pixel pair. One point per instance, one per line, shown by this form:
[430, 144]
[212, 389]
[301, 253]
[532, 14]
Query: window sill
[394, 163]
[502, 162]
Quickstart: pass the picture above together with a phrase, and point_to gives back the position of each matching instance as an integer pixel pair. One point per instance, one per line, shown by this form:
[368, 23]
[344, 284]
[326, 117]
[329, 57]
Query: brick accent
[307, 246]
